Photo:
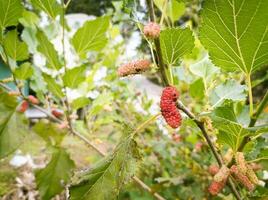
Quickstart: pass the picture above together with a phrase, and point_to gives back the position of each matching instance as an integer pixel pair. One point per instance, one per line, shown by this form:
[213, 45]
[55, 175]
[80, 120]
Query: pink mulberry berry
[222, 175]
[151, 30]
[168, 106]
[32, 99]
[215, 187]
[240, 177]
[134, 67]
[23, 107]
[213, 169]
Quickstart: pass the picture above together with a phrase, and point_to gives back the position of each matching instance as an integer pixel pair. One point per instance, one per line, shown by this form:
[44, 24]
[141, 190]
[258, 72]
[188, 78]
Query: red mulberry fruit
[213, 169]
[215, 187]
[222, 174]
[243, 179]
[23, 106]
[57, 113]
[135, 67]
[33, 99]
[168, 106]
[151, 30]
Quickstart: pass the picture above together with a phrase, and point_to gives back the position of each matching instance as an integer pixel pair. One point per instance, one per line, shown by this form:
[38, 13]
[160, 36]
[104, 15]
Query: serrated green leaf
[50, 7]
[47, 49]
[175, 43]
[49, 132]
[197, 89]
[13, 125]
[53, 87]
[230, 90]
[14, 48]
[73, 77]
[235, 32]
[175, 10]
[204, 68]
[52, 179]
[112, 172]
[91, 36]
[24, 71]
[10, 12]
[80, 102]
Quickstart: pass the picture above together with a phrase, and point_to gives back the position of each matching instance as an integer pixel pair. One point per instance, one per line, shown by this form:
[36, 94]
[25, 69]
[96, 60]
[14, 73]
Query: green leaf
[52, 179]
[47, 49]
[197, 89]
[235, 32]
[14, 48]
[204, 68]
[53, 87]
[29, 19]
[98, 104]
[73, 77]
[230, 90]
[175, 10]
[91, 36]
[80, 102]
[49, 132]
[24, 71]
[10, 12]
[112, 172]
[13, 125]
[175, 43]
[50, 7]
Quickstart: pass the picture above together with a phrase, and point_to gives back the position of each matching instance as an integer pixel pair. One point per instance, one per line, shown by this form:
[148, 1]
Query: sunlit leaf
[80, 102]
[73, 77]
[197, 89]
[235, 32]
[24, 71]
[53, 86]
[175, 43]
[50, 7]
[52, 179]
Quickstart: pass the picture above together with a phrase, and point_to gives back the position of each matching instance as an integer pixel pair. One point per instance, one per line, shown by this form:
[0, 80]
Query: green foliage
[197, 89]
[73, 77]
[50, 7]
[14, 48]
[230, 90]
[236, 34]
[47, 49]
[13, 126]
[52, 179]
[176, 43]
[113, 172]
[80, 103]
[91, 36]
[24, 71]
[53, 86]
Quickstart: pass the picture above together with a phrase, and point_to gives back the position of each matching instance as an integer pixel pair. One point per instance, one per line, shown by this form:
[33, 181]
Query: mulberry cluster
[242, 178]
[151, 30]
[222, 174]
[168, 106]
[219, 179]
[135, 67]
[215, 187]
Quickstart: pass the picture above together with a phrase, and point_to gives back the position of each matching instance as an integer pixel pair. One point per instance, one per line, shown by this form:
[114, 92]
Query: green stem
[250, 95]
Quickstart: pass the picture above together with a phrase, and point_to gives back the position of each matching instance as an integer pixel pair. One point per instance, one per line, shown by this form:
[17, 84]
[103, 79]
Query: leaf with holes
[235, 32]
[14, 48]
[73, 77]
[13, 125]
[112, 172]
[50, 7]
[47, 49]
[231, 90]
[175, 43]
[52, 179]
[91, 36]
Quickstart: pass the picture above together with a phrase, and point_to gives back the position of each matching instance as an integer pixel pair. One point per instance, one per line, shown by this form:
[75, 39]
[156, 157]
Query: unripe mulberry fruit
[242, 178]
[23, 107]
[252, 176]
[222, 174]
[255, 166]
[151, 30]
[228, 156]
[213, 169]
[33, 99]
[241, 162]
[215, 187]
[134, 67]
[57, 113]
[168, 106]
[14, 93]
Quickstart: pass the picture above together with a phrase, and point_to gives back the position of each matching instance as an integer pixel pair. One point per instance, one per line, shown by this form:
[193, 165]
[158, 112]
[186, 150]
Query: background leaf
[52, 179]
[50, 7]
[24, 71]
[53, 86]
[91, 36]
[80, 102]
[230, 90]
[175, 43]
[235, 32]
[13, 125]
[73, 77]
[197, 89]
[14, 48]
[47, 49]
